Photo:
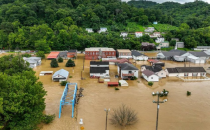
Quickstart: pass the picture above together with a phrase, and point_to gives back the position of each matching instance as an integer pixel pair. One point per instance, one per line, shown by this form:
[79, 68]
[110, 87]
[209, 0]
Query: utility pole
[106, 110]
[158, 105]
[83, 63]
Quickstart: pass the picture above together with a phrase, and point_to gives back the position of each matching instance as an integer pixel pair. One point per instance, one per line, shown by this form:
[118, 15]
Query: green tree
[70, 63]
[60, 59]
[40, 54]
[23, 96]
[172, 43]
[54, 63]
[41, 45]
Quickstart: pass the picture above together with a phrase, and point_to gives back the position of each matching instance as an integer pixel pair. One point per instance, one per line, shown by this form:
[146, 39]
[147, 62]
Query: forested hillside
[60, 24]
[195, 14]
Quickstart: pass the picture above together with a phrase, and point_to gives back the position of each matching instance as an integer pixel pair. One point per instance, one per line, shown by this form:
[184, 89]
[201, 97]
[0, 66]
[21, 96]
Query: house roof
[172, 70]
[136, 53]
[127, 66]
[190, 69]
[148, 73]
[72, 50]
[31, 61]
[98, 69]
[199, 54]
[53, 55]
[174, 52]
[153, 68]
[61, 72]
[99, 63]
[63, 53]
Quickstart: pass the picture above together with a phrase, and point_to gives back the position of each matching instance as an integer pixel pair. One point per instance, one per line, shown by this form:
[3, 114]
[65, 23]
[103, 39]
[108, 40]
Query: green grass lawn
[134, 27]
[164, 27]
[167, 49]
[184, 49]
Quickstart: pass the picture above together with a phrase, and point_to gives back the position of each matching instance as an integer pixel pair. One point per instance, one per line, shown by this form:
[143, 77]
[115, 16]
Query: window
[93, 53]
[129, 72]
[90, 53]
[109, 53]
[151, 77]
[113, 53]
[161, 73]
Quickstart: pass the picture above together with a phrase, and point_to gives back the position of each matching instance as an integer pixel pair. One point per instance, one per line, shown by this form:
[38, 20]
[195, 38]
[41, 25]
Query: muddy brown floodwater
[180, 112]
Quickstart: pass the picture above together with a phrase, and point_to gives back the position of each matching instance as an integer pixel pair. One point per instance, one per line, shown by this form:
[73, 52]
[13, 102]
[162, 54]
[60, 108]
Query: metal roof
[199, 54]
[53, 55]
[154, 68]
[190, 69]
[172, 70]
[136, 53]
[98, 69]
[127, 66]
[148, 73]
[99, 63]
[61, 72]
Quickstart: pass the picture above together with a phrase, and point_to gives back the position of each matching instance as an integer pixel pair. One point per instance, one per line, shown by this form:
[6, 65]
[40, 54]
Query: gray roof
[148, 73]
[136, 53]
[174, 52]
[62, 53]
[172, 70]
[154, 68]
[98, 69]
[72, 50]
[199, 54]
[190, 69]
[127, 66]
[31, 61]
[61, 72]
[99, 63]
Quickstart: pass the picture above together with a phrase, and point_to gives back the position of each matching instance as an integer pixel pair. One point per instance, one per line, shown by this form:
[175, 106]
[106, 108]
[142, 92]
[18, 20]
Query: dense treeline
[195, 14]
[59, 24]
[142, 3]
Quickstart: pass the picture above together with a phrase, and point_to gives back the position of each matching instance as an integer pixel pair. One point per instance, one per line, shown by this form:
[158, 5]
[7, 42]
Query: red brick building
[97, 53]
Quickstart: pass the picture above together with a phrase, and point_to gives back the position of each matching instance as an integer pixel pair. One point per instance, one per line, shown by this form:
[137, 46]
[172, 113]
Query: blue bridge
[68, 97]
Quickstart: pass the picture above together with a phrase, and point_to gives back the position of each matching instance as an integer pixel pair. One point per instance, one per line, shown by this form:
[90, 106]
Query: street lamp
[165, 100]
[106, 110]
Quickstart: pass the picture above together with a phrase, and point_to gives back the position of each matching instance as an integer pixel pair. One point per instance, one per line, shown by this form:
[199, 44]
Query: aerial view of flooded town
[105, 64]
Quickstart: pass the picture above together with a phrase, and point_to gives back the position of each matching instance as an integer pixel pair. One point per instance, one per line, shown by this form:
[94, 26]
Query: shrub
[116, 88]
[70, 76]
[150, 83]
[188, 93]
[70, 63]
[63, 83]
[26, 55]
[60, 59]
[48, 118]
[40, 54]
[119, 84]
[124, 116]
[54, 63]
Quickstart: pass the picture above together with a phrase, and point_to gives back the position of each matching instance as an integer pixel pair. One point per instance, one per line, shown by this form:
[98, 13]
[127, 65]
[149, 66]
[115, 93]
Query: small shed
[123, 83]
[60, 75]
[42, 73]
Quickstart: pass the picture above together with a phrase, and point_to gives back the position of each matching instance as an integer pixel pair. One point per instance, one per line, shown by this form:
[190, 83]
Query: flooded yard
[180, 112]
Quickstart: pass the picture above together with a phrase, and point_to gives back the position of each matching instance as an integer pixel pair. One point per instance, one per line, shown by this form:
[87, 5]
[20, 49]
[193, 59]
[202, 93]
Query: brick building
[96, 53]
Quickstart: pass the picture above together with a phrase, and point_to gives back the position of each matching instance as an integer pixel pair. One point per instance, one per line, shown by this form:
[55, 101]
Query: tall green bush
[70, 63]
[60, 59]
[54, 63]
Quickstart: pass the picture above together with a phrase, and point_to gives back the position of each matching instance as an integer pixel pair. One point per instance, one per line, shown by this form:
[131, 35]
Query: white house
[156, 69]
[33, 61]
[161, 74]
[138, 34]
[150, 76]
[179, 45]
[157, 34]
[89, 30]
[103, 29]
[60, 75]
[164, 44]
[186, 71]
[123, 34]
[99, 69]
[126, 70]
[149, 29]
[160, 39]
[138, 56]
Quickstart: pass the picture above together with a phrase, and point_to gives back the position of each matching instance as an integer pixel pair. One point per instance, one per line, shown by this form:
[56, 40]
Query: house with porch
[138, 34]
[138, 56]
[186, 71]
[150, 76]
[99, 69]
[124, 53]
[156, 69]
[71, 54]
[127, 70]
[60, 75]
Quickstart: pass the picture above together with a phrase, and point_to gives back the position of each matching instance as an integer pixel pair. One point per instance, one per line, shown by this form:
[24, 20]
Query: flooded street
[180, 112]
